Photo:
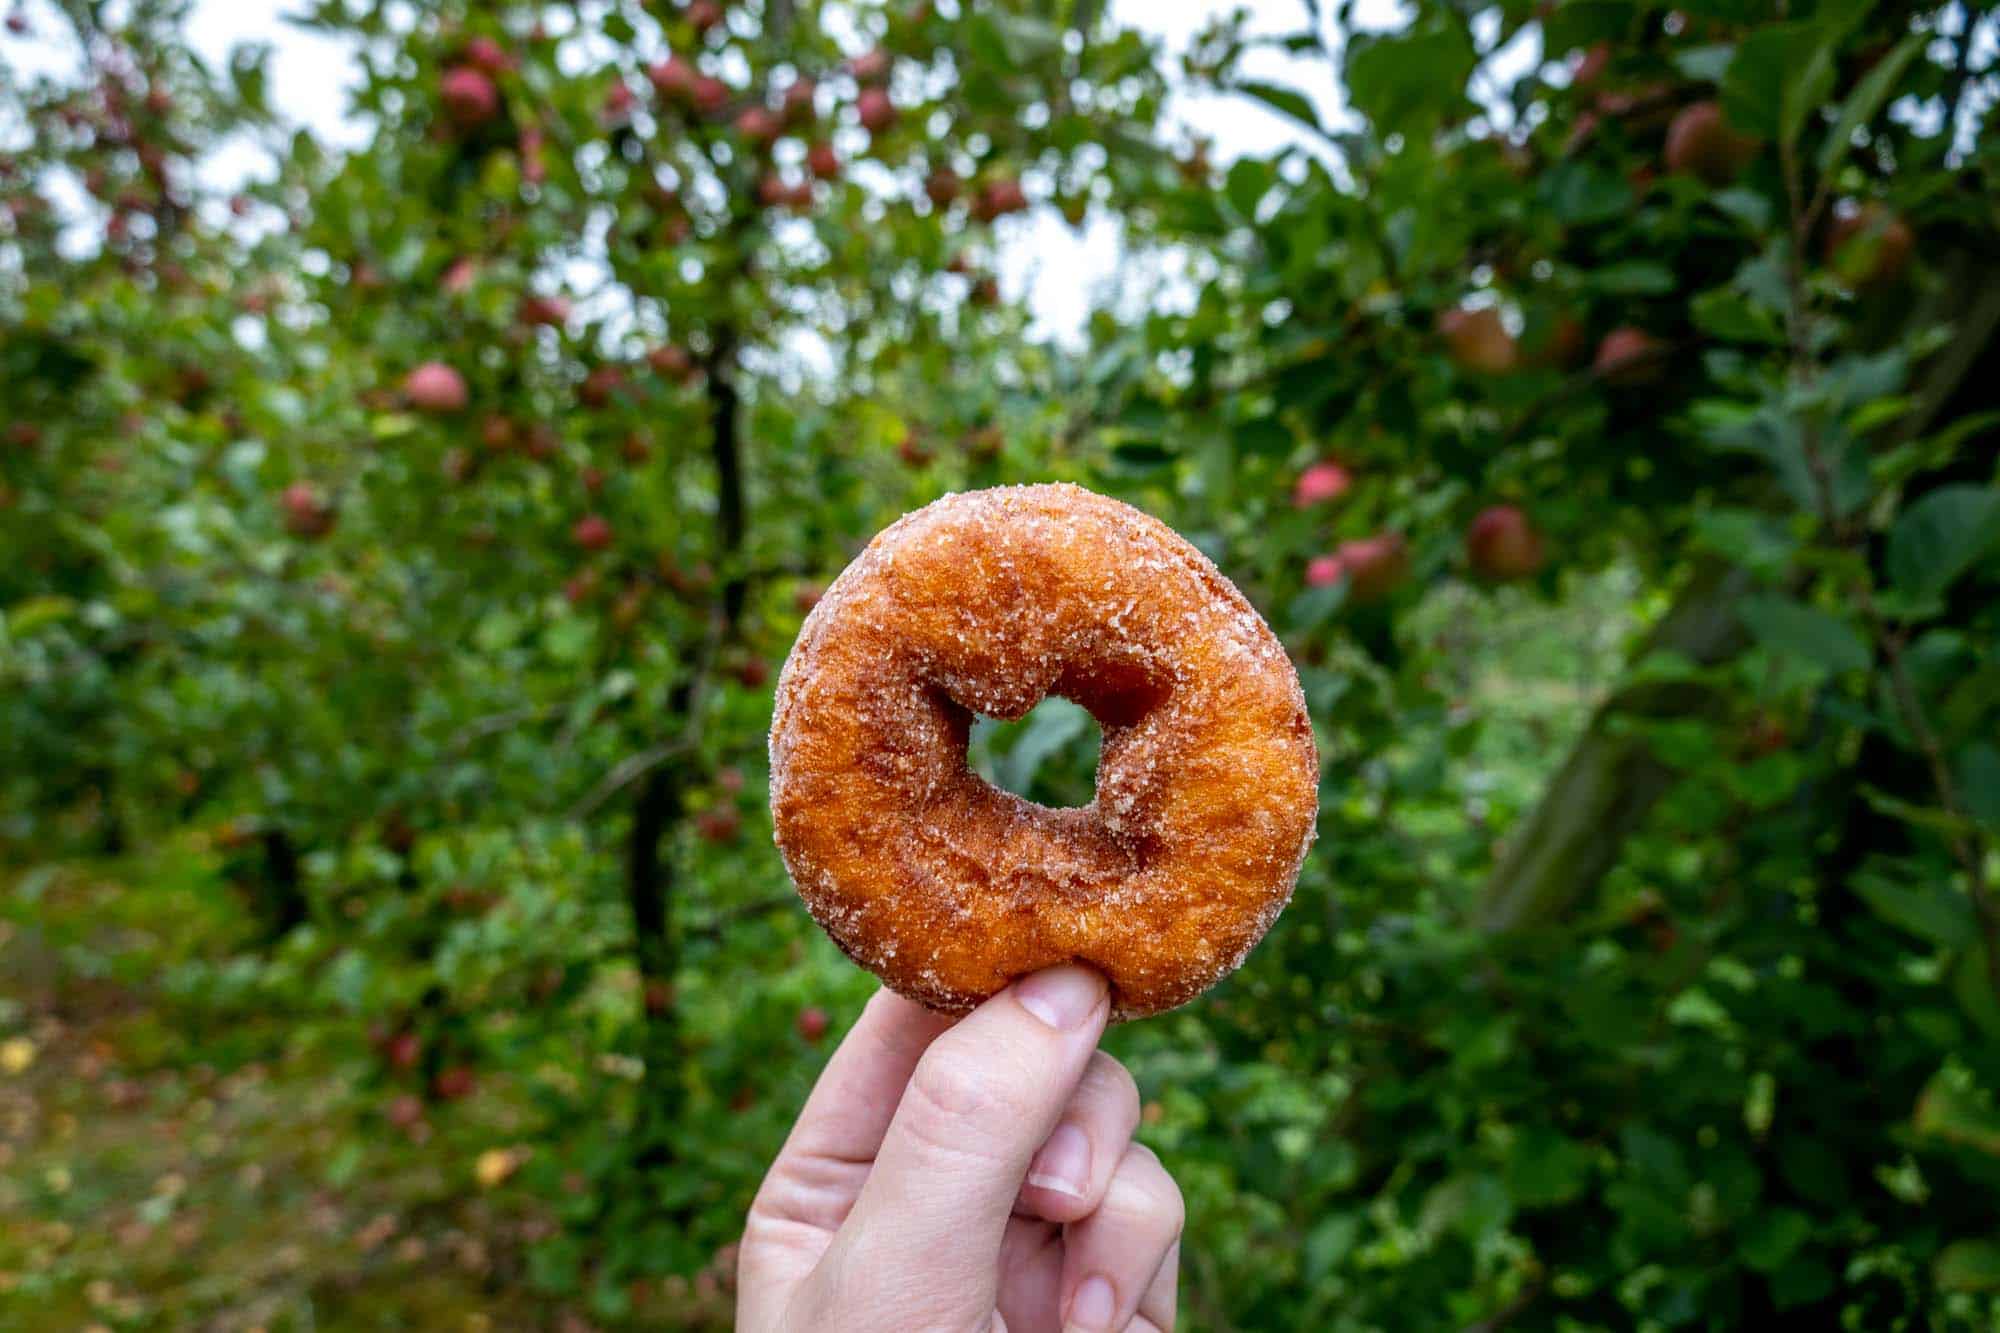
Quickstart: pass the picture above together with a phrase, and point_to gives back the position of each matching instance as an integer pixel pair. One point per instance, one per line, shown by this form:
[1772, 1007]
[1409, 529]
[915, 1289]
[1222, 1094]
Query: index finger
[852, 1104]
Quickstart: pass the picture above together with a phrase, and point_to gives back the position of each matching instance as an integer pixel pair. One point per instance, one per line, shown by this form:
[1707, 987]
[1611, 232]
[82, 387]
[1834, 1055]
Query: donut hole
[1049, 756]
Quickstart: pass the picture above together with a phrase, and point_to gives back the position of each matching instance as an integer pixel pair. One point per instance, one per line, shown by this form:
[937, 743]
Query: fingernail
[1063, 997]
[1063, 1164]
[1091, 1309]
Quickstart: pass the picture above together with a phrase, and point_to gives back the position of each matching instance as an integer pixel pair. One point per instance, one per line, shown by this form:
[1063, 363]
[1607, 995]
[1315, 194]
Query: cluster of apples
[1501, 543]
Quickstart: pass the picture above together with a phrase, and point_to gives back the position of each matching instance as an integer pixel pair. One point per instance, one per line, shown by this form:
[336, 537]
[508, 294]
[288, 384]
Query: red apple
[759, 125]
[730, 780]
[1590, 66]
[754, 673]
[1630, 356]
[1319, 483]
[24, 434]
[469, 97]
[1322, 570]
[459, 275]
[618, 100]
[454, 1083]
[592, 532]
[674, 79]
[1701, 144]
[1501, 543]
[308, 514]
[704, 14]
[710, 94]
[720, 826]
[823, 161]
[436, 387]
[812, 1023]
[877, 112]
[403, 1050]
[1868, 246]
[487, 55]
[672, 360]
[1374, 566]
[798, 101]
[404, 1111]
[599, 385]
[1478, 341]
[871, 66]
[771, 189]
[551, 311]
[942, 186]
[1001, 197]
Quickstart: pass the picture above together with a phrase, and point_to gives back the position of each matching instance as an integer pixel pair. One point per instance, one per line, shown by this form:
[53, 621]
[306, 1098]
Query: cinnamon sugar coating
[948, 888]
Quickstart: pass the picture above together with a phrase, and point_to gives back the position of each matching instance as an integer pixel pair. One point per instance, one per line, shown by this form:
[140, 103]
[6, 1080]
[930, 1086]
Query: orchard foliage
[410, 541]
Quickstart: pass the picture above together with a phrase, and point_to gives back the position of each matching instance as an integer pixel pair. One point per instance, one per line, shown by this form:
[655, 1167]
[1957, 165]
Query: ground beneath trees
[162, 1171]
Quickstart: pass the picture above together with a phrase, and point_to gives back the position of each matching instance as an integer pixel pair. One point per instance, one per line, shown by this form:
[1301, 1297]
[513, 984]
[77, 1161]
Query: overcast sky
[1042, 260]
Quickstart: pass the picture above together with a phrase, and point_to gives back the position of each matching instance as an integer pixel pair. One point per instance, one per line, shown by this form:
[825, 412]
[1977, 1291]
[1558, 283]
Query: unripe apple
[674, 79]
[1630, 356]
[1375, 566]
[469, 97]
[823, 161]
[759, 125]
[871, 66]
[877, 112]
[1701, 144]
[812, 1023]
[436, 387]
[1323, 481]
[1478, 341]
[798, 101]
[1868, 246]
[942, 186]
[592, 532]
[1502, 544]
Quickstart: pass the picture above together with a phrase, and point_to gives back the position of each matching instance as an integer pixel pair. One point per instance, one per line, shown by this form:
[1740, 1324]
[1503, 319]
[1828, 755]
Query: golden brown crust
[947, 888]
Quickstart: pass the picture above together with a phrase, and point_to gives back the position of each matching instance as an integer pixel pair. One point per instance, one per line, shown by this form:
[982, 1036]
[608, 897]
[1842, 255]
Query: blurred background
[424, 426]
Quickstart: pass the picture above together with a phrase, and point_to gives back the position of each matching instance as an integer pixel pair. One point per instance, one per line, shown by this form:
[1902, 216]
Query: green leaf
[1579, 194]
[1979, 781]
[1969, 1265]
[1707, 64]
[1772, 1237]
[1265, 437]
[1867, 98]
[1546, 1168]
[1249, 180]
[1953, 1111]
[1779, 74]
[1406, 82]
[1940, 536]
[1634, 277]
[1932, 910]
[1328, 1243]
[1802, 631]
[1287, 102]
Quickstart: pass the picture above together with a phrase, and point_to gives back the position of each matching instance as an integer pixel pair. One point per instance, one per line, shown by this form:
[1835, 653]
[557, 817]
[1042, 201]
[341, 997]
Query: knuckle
[1114, 1082]
[946, 1096]
[1147, 1190]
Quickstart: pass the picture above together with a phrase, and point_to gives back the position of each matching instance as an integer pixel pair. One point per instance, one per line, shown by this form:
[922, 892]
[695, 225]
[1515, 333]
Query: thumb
[980, 1102]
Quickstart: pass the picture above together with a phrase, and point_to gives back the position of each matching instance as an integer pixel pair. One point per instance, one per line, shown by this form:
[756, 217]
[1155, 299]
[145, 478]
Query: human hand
[977, 1175]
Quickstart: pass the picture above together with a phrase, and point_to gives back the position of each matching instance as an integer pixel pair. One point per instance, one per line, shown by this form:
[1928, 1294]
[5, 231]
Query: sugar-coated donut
[948, 888]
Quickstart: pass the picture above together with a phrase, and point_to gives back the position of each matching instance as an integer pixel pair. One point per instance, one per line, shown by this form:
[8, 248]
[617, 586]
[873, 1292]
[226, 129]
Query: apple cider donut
[948, 888]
